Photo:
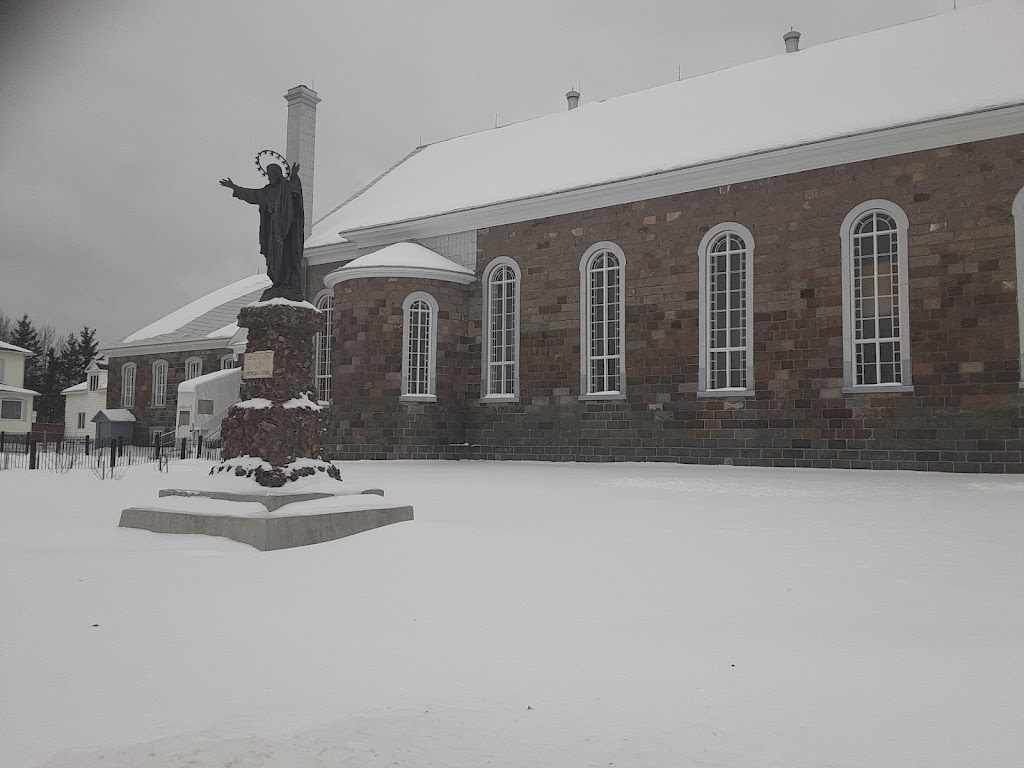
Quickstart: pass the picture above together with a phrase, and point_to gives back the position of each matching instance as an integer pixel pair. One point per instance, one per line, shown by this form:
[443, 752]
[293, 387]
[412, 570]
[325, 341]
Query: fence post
[32, 454]
[120, 445]
[86, 445]
[199, 447]
[2, 435]
[183, 447]
[113, 454]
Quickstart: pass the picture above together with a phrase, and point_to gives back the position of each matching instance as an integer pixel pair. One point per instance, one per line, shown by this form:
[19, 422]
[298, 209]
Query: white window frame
[227, 362]
[323, 348]
[94, 382]
[486, 346]
[81, 420]
[128, 381]
[1, 370]
[431, 395]
[585, 312]
[160, 386]
[21, 409]
[903, 284]
[1018, 229]
[197, 362]
[704, 322]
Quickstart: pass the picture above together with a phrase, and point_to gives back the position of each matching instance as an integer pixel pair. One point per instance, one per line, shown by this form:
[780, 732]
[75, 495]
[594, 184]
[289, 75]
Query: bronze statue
[282, 224]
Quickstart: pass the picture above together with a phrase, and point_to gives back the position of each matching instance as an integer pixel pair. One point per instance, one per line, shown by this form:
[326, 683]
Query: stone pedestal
[278, 419]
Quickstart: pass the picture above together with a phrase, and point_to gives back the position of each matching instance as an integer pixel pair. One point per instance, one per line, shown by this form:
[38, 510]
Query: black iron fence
[26, 452]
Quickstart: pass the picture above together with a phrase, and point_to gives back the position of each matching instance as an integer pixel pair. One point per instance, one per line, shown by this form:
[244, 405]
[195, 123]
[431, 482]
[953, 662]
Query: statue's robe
[282, 224]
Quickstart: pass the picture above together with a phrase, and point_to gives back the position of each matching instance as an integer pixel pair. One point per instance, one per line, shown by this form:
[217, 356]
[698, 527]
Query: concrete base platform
[256, 518]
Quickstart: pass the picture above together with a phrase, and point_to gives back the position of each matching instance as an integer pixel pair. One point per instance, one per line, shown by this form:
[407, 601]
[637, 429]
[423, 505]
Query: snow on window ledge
[610, 395]
[499, 399]
[417, 399]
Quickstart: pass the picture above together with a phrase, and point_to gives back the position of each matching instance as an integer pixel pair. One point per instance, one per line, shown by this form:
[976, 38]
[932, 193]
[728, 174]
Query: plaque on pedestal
[258, 365]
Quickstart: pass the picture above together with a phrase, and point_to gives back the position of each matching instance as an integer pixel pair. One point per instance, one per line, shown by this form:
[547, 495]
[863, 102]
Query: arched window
[323, 342]
[193, 368]
[419, 347]
[726, 311]
[159, 383]
[501, 330]
[1018, 224]
[128, 385]
[227, 362]
[876, 332]
[602, 308]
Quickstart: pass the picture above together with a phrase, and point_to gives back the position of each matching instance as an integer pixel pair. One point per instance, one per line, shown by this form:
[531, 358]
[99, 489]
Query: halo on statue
[273, 157]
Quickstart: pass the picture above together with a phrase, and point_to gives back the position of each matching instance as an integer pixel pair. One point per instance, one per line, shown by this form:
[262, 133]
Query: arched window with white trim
[193, 368]
[323, 342]
[159, 383]
[1018, 228]
[128, 385]
[419, 347]
[500, 335]
[726, 323]
[602, 323]
[876, 316]
[227, 362]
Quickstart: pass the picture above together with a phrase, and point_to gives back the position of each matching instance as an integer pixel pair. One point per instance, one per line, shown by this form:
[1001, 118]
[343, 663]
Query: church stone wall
[148, 416]
[370, 421]
[966, 412]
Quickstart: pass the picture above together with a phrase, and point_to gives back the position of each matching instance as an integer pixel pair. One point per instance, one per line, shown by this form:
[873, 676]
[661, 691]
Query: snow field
[650, 615]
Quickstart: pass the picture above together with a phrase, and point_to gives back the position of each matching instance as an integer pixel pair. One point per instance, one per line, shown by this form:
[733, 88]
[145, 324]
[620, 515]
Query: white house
[16, 402]
[85, 400]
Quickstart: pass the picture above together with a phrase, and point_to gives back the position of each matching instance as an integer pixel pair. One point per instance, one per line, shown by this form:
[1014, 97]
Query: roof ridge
[367, 186]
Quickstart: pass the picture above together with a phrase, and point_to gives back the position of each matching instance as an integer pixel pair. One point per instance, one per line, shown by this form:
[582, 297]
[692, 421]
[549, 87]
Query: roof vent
[792, 39]
[573, 97]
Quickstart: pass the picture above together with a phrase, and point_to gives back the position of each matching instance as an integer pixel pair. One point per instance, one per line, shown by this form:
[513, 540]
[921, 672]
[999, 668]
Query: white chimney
[573, 97]
[792, 39]
[301, 142]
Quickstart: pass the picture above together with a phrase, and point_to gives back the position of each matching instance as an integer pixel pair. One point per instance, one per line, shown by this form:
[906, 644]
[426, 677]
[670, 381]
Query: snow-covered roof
[83, 387]
[956, 63]
[211, 317]
[191, 384]
[114, 414]
[17, 390]
[5, 347]
[401, 260]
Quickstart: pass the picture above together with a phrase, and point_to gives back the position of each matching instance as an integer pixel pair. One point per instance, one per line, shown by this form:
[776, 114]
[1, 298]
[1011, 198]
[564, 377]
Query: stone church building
[814, 259]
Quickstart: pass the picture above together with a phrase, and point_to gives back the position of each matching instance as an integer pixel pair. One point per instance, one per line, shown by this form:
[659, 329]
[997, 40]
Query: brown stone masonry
[368, 322]
[146, 414]
[966, 412]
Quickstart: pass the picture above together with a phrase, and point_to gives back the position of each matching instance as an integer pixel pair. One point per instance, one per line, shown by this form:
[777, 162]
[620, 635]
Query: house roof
[114, 414]
[83, 387]
[5, 347]
[957, 63]
[16, 390]
[401, 260]
[210, 318]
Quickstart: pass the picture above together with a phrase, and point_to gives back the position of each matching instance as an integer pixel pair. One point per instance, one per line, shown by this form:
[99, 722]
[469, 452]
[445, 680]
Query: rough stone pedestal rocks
[276, 419]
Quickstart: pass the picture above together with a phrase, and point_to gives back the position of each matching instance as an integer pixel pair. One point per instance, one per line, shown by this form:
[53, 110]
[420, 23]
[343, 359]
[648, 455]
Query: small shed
[114, 423]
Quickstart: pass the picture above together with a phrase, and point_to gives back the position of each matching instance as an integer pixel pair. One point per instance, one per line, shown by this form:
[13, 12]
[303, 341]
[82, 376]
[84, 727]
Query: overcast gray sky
[119, 118]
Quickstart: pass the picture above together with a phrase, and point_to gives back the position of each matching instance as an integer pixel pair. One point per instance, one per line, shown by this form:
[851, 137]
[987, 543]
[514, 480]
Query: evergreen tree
[26, 336]
[87, 349]
[50, 404]
[70, 368]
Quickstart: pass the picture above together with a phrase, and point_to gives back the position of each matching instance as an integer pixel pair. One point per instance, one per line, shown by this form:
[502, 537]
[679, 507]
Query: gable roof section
[202, 323]
[5, 347]
[957, 63]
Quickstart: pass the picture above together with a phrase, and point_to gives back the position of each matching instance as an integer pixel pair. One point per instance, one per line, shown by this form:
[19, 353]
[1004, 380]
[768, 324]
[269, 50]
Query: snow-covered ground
[532, 615]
